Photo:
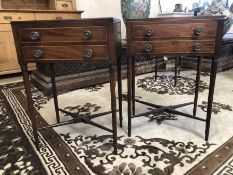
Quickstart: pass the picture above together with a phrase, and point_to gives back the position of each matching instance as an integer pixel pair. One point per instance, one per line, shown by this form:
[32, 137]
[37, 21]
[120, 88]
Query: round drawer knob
[198, 31]
[87, 35]
[197, 47]
[35, 36]
[148, 48]
[65, 5]
[38, 53]
[88, 53]
[149, 32]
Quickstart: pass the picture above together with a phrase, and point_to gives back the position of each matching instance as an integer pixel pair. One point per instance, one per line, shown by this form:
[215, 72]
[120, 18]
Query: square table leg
[54, 90]
[112, 69]
[31, 112]
[119, 83]
[129, 87]
[214, 67]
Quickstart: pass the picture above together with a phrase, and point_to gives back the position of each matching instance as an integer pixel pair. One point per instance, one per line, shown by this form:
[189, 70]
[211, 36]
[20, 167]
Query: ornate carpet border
[47, 155]
[216, 161]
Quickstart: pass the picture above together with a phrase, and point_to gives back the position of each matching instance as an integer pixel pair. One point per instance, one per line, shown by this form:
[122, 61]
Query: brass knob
[149, 32]
[38, 53]
[148, 48]
[88, 53]
[58, 17]
[65, 5]
[9, 18]
[197, 47]
[35, 36]
[198, 31]
[87, 35]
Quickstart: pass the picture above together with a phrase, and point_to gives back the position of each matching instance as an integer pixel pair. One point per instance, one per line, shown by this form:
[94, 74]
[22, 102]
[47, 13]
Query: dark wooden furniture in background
[87, 40]
[187, 36]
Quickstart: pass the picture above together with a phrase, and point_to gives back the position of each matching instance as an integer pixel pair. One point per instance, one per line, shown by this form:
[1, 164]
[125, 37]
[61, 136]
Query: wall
[109, 8]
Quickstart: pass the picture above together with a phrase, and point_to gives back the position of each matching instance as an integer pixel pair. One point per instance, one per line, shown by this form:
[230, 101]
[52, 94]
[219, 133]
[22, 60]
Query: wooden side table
[85, 40]
[177, 36]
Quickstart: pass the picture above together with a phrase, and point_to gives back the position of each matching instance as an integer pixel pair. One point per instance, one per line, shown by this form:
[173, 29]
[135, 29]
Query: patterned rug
[160, 144]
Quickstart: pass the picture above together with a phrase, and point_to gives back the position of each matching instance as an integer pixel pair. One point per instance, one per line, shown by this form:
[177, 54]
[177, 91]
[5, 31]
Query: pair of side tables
[98, 41]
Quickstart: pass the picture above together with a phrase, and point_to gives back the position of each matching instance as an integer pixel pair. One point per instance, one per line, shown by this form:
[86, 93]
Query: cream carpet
[163, 144]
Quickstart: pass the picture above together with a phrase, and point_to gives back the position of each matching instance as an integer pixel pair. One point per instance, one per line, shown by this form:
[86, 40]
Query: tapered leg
[112, 70]
[197, 85]
[119, 89]
[133, 85]
[214, 67]
[31, 111]
[175, 78]
[54, 90]
[156, 68]
[179, 65]
[129, 87]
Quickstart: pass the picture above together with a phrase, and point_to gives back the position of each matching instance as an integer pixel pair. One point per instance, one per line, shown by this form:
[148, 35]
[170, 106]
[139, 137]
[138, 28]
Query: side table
[177, 36]
[85, 40]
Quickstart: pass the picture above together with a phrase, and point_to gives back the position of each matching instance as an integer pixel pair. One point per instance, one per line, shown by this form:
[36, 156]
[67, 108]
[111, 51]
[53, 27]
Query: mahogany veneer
[176, 36]
[86, 40]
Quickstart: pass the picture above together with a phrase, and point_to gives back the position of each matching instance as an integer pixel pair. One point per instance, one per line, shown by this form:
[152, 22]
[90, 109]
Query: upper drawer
[175, 30]
[7, 17]
[64, 34]
[167, 47]
[65, 53]
[56, 16]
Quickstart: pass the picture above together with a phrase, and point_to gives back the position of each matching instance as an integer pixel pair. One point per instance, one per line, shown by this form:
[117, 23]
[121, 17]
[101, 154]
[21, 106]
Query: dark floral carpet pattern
[38, 98]
[137, 156]
[216, 108]
[94, 87]
[16, 154]
[164, 85]
[159, 118]
[85, 109]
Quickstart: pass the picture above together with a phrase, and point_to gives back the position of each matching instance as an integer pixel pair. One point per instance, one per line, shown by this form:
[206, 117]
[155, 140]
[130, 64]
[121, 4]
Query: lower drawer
[65, 53]
[173, 47]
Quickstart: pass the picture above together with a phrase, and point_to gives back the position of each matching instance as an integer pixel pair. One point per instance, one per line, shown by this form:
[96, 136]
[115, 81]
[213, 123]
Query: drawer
[72, 34]
[64, 5]
[56, 16]
[7, 17]
[167, 47]
[65, 53]
[5, 28]
[175, 30]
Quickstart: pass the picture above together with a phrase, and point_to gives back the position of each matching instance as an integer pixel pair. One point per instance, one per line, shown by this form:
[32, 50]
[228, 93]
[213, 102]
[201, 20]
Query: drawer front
[175, 30]
[5, 28]
[173, 47]
[65, 53]
[72, 34]
[7, 17]
[56, 16]
[64, 5]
